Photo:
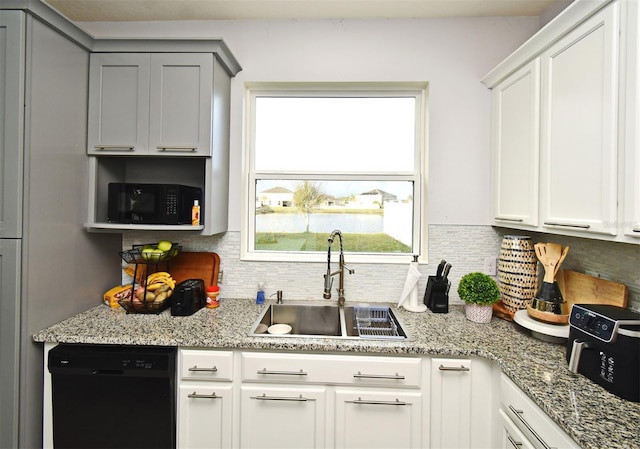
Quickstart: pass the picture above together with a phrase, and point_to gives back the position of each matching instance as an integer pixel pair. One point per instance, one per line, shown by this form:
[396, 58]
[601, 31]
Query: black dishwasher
[113, 396]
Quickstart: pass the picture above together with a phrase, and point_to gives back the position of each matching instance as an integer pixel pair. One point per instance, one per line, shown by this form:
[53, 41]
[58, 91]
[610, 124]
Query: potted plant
[479, 292]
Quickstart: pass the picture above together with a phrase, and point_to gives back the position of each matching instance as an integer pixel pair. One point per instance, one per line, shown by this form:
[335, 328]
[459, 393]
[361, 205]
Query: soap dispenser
[260, 295]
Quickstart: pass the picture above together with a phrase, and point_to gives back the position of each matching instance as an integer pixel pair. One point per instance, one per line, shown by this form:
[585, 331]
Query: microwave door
[143, 205]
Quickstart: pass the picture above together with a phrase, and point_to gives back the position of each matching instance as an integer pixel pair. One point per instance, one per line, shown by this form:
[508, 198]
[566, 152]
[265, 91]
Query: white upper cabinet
[632, 125]
[565, 150]
[515, 147]
[579, 144]
[154, 104]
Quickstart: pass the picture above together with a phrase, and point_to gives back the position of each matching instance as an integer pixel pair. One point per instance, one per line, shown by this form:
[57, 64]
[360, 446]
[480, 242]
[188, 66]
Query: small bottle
[212, 296]
[195, 213]
[260, 295]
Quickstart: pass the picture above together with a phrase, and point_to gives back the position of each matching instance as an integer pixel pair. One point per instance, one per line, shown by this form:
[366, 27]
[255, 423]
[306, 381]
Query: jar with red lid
[212, 296]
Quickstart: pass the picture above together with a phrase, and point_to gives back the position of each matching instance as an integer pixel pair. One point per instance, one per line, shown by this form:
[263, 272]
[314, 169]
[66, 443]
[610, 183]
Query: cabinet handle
[395, 376]
[264, 397]
[515, 220]
[284, 373]
[567, 225]
[195, 395]
[195, 369]
[518, 414]
[514, 443]
[176, 148]
[115, 147]
[635, 229]
[453, 368]
[364, 401]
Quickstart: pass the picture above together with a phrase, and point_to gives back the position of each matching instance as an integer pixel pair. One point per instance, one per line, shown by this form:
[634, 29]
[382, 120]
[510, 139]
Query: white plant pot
[478, 313]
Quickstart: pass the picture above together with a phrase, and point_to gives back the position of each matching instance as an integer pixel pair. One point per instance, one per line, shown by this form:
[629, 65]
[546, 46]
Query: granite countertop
[593, 417]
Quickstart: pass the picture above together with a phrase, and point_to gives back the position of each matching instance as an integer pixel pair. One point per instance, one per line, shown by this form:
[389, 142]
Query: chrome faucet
[328, 278]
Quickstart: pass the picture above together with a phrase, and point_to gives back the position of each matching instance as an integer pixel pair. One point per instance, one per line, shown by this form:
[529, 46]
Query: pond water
[357, 223]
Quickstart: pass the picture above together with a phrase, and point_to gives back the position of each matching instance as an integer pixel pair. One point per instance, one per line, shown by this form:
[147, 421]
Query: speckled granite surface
[593, 417]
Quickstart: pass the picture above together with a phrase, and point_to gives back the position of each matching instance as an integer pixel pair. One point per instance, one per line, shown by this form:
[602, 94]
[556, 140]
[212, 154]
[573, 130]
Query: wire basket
[381, 326]
[135, 255]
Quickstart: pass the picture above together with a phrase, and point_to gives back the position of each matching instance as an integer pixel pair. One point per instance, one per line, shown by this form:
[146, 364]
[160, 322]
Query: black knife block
[436, 296]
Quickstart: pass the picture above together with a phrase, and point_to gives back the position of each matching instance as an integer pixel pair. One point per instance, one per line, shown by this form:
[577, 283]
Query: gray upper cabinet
[153, 104]
[12, 50]
[159, 113]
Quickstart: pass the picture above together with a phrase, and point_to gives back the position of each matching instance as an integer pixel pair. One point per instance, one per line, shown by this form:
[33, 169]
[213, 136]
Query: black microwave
[168, 204]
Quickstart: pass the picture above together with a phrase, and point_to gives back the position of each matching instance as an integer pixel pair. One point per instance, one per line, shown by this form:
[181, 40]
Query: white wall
[451, 54]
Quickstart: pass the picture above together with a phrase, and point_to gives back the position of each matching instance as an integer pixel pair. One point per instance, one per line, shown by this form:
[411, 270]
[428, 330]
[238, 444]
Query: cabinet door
[282, 417]
[12, 50]
[512, 438]
[451, 403]
[515, 127]
[579, 127]
[181, 98]
[367, 418]
[118, 103]
[204, 415]
[632, 125]
[9, 340]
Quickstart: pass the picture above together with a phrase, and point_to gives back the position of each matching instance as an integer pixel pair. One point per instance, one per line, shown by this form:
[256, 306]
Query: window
[337, 156]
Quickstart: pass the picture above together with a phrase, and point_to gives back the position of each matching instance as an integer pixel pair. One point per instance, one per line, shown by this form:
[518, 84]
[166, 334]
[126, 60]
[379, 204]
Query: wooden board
[195, 265]
[579, 288]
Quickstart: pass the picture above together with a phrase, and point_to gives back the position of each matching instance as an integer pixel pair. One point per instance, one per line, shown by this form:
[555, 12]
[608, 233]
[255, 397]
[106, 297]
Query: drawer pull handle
[264, 397]
[635, 229]
[515, 220]
[567, 225]
[514, 443]
[195, 395]
[366, 402]
[283, 373]
[195, 369]
[395, 376]
[453, 368]
[518, 414]
[115, 147]
[176, 148]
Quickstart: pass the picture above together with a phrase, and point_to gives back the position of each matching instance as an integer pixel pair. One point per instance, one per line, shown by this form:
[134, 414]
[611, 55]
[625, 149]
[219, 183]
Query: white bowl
[279, 329]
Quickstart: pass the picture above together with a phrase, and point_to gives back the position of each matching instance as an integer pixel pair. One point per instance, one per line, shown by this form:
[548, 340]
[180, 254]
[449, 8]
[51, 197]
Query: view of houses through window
[299, 215]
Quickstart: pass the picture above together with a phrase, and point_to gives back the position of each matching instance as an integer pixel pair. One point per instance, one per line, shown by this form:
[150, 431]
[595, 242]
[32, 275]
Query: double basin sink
[313, 319]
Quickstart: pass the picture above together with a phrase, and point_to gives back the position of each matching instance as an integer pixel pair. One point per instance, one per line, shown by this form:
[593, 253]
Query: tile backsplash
[464, 246]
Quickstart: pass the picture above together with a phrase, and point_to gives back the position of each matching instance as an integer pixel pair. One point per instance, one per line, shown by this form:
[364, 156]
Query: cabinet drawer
[198, 364]
[332, 369]
[538, 428]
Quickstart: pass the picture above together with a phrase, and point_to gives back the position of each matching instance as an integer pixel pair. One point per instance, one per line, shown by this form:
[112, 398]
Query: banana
[155, 286]
[156, 275]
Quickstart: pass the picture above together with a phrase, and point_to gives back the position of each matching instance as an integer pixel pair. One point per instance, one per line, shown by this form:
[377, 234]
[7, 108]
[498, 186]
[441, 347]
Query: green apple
[147, 253]
[156, 255]
[164, 245]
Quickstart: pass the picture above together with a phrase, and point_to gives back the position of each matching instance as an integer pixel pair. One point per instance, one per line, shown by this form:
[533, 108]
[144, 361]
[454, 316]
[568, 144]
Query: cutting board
[579, 288]
[195, 265]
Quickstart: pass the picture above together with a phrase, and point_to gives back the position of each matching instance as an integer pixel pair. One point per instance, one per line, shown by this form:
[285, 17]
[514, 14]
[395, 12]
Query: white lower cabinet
[369, 419]
[281, 417]
[205, 415]
[463, 402]
[535, 428]
[205, 399]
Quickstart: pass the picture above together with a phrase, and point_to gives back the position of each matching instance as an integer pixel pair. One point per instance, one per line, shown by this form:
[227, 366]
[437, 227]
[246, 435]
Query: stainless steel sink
[313, 319]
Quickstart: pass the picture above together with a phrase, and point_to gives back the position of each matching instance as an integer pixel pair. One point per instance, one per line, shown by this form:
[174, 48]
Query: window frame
[419, 90]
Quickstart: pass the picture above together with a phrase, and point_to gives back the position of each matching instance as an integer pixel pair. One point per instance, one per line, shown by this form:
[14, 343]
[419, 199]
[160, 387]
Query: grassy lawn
[301, 241]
